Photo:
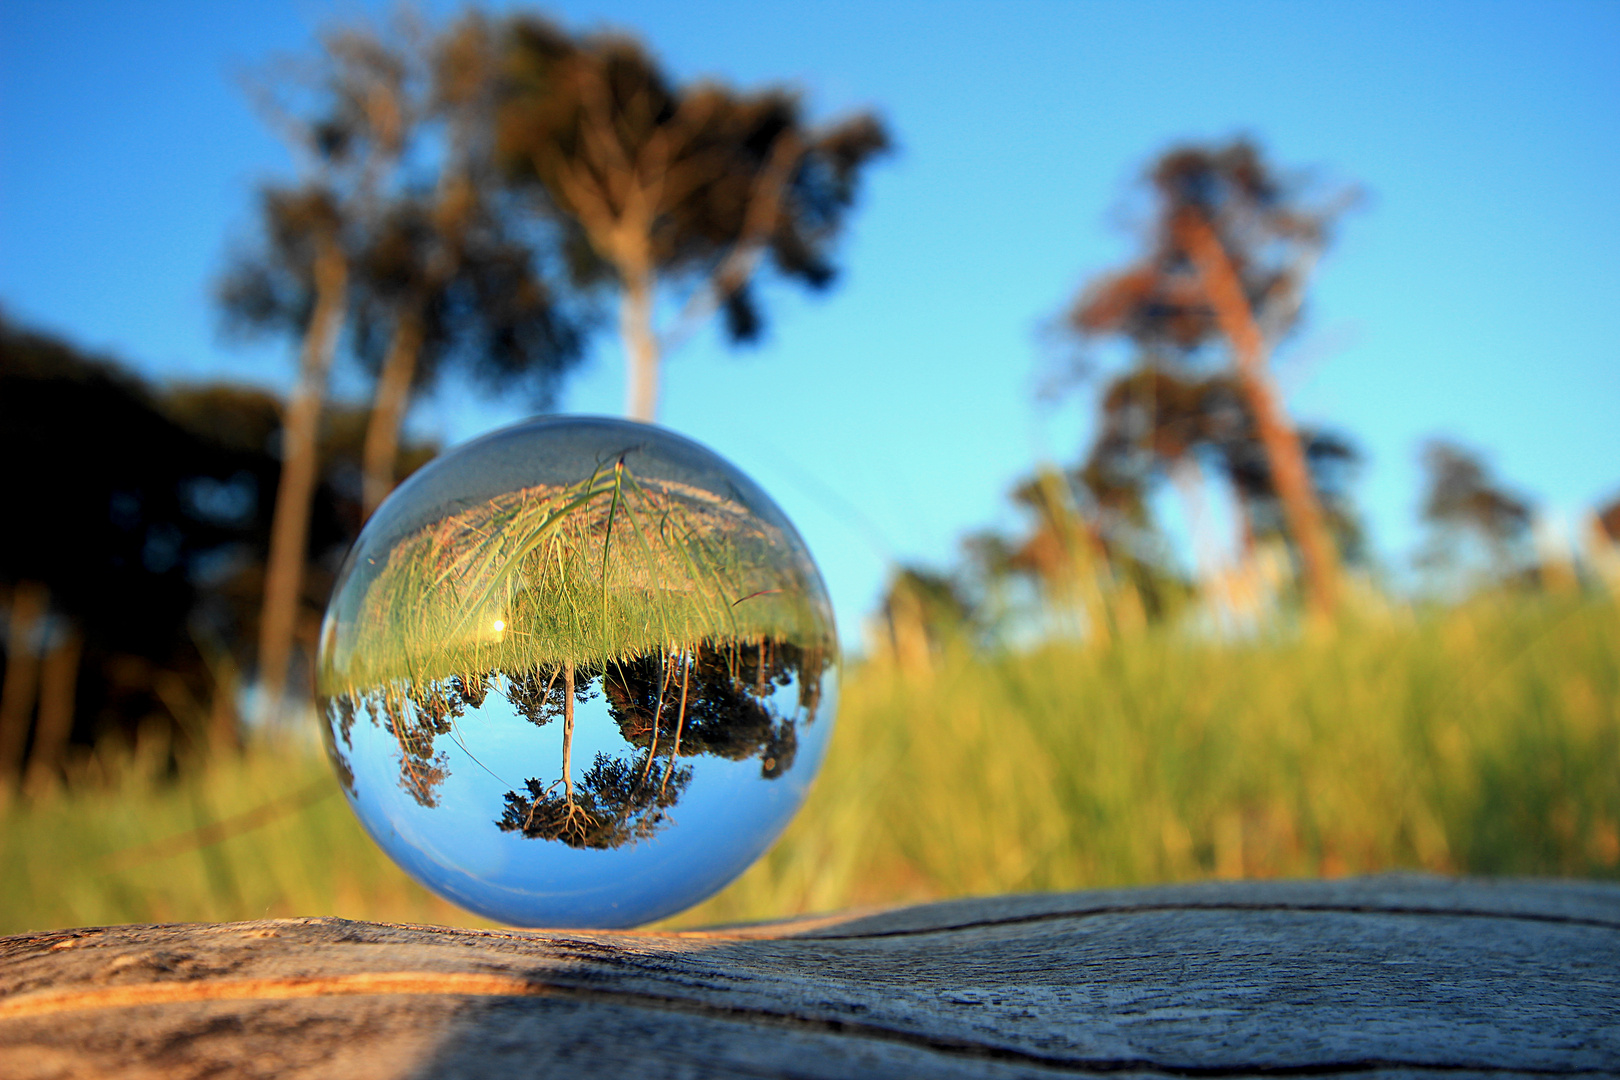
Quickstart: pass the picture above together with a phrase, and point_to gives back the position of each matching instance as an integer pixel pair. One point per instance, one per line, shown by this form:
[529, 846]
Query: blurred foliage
[1228, 248]
[660, 187]
[134, 573]
[1480, 739]
[1479, 531]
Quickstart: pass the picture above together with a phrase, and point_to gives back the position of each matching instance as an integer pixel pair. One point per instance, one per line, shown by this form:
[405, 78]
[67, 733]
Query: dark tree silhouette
[615, 803]
[713, 701]
[295, 281]
[687, 186]
[1462, 498]
[1232, 246]
[448, 272]
[414, 718]
[147, 515]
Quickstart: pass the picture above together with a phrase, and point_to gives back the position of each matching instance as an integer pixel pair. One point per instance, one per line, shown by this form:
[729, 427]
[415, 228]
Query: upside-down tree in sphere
[1232, 245]
[662, 185]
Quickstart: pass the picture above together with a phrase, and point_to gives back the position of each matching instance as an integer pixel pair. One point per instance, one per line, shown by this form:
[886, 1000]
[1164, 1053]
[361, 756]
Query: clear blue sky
[1476, 294]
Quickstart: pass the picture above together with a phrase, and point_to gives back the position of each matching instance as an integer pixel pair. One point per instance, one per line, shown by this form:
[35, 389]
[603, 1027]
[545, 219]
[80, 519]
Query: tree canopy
[660, 183]
[1230, 245]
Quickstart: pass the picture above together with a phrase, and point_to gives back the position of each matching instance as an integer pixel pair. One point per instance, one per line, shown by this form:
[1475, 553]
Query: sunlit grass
[83, 858]
[1483, 740]
[608, 569]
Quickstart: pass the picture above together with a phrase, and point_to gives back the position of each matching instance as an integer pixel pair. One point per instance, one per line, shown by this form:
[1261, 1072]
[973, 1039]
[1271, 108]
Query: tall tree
[1232, 245]
[420, 309]
[352, 130]
[175, 523]
[448, 272]
[679, 186]
[1463, 499]
[1159, 424]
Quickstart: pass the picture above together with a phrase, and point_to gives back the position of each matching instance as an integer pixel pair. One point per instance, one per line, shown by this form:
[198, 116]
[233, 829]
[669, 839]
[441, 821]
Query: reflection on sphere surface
[579, 672]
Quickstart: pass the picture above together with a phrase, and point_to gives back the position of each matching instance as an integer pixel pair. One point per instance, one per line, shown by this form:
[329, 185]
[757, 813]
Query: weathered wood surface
[1398, 976]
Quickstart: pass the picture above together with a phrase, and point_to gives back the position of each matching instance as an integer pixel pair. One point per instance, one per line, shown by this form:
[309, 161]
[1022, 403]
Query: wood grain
[1389, 976]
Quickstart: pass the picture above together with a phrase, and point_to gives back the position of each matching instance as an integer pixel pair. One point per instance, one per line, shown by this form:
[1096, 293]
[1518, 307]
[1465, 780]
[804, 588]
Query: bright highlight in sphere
[578, 672]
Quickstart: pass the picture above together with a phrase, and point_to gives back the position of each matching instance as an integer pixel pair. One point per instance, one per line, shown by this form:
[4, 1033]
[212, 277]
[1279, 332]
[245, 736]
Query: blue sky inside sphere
[1474, 292]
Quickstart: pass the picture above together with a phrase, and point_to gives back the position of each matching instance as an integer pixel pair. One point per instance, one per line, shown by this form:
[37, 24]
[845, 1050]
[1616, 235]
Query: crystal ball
[578, 672]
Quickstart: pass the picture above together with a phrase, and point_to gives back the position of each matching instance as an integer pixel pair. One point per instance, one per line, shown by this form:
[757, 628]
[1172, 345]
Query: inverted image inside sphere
[579, 672]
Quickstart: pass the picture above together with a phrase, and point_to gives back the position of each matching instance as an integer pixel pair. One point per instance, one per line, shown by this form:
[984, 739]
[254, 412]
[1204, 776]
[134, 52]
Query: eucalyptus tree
[484, 306]
[348, 116]
[1463, 499]
[450, 271]
[674, 188]
[1160, 424]
[1230, 249]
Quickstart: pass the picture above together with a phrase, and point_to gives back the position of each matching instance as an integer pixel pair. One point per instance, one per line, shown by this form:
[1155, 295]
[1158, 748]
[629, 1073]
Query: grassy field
[1482, 740]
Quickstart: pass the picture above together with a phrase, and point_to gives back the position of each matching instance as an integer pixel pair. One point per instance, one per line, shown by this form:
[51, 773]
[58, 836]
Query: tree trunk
[1301, 510]
[29, 602]
[289, 535]
[640, 345]
[58, 684]
[388, 409]
[680, 719]
[1377, 978]
[568, 733]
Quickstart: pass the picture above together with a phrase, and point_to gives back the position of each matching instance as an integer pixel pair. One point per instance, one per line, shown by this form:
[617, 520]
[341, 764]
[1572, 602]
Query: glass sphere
[578, 672]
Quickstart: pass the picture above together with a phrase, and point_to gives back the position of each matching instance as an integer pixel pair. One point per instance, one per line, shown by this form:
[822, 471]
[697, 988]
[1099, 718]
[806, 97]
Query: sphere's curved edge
[578, 673]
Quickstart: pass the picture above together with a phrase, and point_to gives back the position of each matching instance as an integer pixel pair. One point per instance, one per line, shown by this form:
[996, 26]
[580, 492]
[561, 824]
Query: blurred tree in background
[134, 592]
[1158, 424]
[452, 270]
[679, 186]
[923, 614]
[349, 117]
[1478, 527]
[1231, 246]
[419, 251]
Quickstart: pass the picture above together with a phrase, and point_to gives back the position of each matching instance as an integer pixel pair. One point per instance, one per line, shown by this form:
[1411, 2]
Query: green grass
[1483, 740]
[610, 568]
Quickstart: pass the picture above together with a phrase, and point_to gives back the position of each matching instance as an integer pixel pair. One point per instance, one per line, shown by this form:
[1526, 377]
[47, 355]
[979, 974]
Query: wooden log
[1387, 976]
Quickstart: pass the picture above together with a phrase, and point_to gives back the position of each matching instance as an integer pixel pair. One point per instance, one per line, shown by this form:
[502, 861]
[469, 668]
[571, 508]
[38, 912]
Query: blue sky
[1475, 293]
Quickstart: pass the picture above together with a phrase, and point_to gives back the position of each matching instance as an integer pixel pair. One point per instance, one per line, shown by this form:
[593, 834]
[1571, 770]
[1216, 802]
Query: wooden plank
[1397, 976]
